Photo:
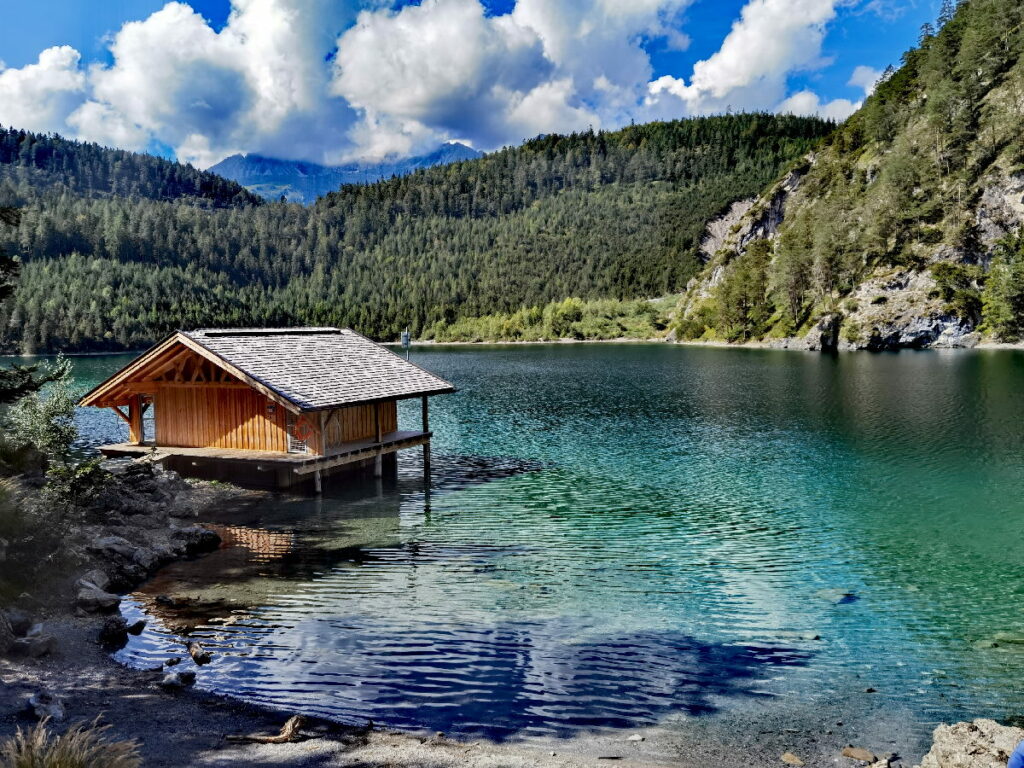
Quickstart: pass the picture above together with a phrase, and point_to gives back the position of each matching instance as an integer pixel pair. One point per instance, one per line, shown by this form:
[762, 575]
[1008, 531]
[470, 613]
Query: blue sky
[317, 80]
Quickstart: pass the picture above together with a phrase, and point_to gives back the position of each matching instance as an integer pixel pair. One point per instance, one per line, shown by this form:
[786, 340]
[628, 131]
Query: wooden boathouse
[268, 407]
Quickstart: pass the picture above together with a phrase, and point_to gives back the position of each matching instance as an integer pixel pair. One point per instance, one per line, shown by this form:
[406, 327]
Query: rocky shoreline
[56, 639]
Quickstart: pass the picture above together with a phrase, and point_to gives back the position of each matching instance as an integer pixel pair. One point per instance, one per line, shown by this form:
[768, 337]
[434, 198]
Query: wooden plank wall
[209, 416]
[357, 423]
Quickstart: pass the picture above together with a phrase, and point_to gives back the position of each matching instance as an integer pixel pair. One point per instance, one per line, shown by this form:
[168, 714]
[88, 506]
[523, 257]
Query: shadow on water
[537, 678]
[499, 680]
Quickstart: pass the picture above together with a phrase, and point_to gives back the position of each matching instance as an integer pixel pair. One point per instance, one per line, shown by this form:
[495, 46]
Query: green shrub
[959, 287]
[46, 419]
[1003, 295]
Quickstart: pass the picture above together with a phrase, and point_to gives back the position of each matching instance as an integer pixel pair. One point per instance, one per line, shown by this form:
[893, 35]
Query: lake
[628, 535]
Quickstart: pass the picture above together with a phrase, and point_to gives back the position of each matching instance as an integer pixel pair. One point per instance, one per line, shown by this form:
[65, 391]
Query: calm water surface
[617, 536]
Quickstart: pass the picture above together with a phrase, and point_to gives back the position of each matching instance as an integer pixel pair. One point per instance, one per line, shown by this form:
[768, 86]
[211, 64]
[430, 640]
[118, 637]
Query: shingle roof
[317, 368]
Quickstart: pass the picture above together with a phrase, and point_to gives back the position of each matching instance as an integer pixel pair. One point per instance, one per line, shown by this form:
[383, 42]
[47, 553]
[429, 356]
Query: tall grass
[81, 746]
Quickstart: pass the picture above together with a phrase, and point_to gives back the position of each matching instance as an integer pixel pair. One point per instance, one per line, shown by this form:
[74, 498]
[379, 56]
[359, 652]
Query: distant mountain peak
[303, 182]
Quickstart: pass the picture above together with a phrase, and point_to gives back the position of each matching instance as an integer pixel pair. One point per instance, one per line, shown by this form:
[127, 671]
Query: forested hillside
[31, 164]
[593, 215]
[905, 230]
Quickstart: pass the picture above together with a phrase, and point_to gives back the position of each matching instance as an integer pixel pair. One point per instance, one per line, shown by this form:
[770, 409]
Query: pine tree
[18, 380]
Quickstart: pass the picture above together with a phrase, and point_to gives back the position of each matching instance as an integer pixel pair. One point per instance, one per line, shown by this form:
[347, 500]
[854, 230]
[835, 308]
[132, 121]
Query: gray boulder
[95, 578]
[195, 540]
[35, 645]
[176, 680]
[114, 633]
[145, 558]
[981, 744]
[46, 704]
[95, 600]
[113, 547]
[19, 620]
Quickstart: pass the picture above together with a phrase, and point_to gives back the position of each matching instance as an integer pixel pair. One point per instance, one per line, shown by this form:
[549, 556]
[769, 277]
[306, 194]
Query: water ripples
[664, 531]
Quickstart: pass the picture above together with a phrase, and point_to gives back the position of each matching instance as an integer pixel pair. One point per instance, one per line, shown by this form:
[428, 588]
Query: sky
[333, 81]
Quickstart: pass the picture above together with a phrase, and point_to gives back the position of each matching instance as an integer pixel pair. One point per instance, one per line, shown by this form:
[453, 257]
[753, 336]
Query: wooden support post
[426, 445]
[378, 462]
[318, 484]
[135, 420]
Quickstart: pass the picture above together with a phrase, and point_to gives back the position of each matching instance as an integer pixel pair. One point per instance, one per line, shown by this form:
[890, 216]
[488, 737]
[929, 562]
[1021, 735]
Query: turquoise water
[620, 535]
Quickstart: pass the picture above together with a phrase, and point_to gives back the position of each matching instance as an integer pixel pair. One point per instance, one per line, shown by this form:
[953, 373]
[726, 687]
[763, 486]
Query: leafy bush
[77, 483]
[1003, 296]
[46, 419]
[571, 318]
[81, 746]
[35, 527]
[959, 287]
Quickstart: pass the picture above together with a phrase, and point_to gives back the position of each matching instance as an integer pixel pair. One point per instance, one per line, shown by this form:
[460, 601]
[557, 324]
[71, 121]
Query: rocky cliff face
[886, 237]
[891, 307]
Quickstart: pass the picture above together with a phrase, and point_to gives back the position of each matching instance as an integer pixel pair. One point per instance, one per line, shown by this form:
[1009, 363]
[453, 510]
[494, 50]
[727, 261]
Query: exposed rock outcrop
[980, 744]
[1001, 208]
[729, 234]
[722, 228]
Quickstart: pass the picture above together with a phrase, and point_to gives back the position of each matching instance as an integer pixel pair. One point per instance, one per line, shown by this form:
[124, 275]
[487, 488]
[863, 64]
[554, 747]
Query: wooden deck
[298, 463]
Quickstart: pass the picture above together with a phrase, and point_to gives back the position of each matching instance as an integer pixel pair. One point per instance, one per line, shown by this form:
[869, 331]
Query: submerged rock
[790, 759]
[837, 596]
[859, 753]
[1010, 638]
[199, 654]
[137, 627]
[195, 540]
[981, 744]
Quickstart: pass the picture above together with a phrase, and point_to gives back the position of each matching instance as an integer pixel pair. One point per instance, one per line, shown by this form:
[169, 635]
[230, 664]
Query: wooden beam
[195, 385]
[135, 420]
[426, 445]
[365, 453]
[98, 394]
[240, 374]
[116, 409]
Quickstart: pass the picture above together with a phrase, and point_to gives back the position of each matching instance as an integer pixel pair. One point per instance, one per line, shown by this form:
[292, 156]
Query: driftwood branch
[289, 732]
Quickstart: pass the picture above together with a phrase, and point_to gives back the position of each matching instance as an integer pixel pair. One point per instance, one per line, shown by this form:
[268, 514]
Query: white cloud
[770, 40]
[328, 80]
[866, 78]
[40, 96]
[258, 85]
[444, 68]
[809, 103]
